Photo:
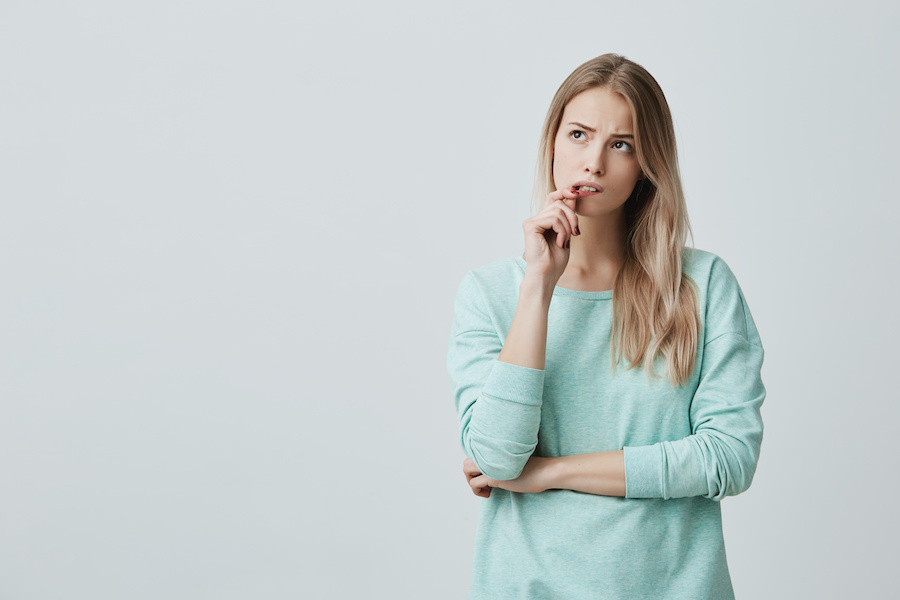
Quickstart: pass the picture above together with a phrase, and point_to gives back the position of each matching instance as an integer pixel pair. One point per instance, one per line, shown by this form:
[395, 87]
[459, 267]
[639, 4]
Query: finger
[553, 218]
[563, 230]
[482, 492]
[565, 200]
[545, 222]
[571, 217]
[567, 195]
[480, 486]
[561, 194]
[471, 469]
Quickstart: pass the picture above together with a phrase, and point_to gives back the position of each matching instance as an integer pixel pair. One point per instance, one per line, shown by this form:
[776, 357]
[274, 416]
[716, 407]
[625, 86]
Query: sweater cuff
[643, 471]
[515, 383]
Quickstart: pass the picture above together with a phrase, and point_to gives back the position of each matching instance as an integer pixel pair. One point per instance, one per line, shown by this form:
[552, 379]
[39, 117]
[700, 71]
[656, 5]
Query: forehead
[599, 108]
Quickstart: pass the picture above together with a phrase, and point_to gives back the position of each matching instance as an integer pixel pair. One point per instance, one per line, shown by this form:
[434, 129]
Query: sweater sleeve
[498, 404]
[719, 458]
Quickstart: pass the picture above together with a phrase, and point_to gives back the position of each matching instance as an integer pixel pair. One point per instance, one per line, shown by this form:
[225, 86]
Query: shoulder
[494, 280]
[700, 265]
[707, 270]
[721, 301]
[498, 277]
[489, 292]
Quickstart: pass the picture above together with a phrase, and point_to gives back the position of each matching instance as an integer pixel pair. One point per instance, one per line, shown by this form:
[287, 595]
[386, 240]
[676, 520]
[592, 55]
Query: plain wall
[230, 238]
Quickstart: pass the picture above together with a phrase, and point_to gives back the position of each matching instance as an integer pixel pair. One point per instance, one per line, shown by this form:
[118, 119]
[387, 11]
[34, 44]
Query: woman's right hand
[548, 234]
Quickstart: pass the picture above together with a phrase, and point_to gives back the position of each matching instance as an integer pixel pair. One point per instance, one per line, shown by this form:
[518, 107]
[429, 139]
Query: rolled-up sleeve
[719, 458]
[498, 404]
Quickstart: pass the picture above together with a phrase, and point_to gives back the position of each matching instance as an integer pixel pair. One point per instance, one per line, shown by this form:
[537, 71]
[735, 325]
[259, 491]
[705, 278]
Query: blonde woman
[607, 382]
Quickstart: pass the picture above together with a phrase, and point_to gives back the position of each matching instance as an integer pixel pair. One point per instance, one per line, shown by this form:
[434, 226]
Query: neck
[596, 255]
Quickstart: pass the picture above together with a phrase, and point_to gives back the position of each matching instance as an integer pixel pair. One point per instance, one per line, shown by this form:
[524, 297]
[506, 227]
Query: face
[594, 147]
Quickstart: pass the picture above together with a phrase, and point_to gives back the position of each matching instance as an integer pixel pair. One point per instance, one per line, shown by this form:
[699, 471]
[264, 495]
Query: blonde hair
[654, 303]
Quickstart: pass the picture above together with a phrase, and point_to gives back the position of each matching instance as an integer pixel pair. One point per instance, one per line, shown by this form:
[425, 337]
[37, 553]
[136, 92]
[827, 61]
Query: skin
[578, 242]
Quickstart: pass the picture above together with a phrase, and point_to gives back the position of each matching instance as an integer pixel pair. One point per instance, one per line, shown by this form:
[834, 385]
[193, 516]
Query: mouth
[587, 187]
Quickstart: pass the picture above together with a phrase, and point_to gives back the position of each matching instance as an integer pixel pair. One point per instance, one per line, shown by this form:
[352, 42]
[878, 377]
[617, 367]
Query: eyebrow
[592, 130]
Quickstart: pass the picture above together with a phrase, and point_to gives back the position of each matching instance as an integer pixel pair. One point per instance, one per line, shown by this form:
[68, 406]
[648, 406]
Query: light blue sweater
[685, 447]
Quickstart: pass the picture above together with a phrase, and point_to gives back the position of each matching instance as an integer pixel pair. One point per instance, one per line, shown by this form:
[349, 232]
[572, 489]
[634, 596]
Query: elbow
[500, 446]
[500, 468]
[735, 480]
[731, 467]
[497, 459]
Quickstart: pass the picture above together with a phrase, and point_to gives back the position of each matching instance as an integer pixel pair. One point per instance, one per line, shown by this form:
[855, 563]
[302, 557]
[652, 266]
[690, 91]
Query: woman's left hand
[532, 480]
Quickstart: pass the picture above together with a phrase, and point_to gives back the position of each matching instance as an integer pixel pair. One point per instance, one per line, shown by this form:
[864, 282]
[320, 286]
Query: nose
[594, 161]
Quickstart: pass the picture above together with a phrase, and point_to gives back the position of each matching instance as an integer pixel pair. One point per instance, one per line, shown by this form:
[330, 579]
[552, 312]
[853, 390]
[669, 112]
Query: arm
[499, 386]
[526, 342]
[718, 459]
[600, 473]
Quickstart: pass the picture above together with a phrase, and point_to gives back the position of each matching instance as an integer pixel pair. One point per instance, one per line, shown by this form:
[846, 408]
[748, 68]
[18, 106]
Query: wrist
[536, 286]
[550, 473]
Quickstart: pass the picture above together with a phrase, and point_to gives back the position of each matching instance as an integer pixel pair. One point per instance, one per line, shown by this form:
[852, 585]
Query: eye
[577, 135]
[623, 145]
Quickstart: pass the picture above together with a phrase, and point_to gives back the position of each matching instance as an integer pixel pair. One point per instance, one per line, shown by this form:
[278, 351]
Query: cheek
[561, 156]
[558, 160]
[630, 169]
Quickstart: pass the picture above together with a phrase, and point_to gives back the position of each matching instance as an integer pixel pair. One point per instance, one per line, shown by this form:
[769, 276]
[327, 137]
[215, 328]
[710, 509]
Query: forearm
[526, 342]
[499, 400]
[599, 473]
[501, 380]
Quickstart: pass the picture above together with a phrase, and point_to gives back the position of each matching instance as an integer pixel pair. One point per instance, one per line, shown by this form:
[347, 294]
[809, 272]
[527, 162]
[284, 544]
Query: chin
[598, 211]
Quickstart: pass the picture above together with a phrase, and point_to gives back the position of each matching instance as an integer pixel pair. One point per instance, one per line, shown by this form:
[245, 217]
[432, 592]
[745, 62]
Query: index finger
[470, 468]
[567, 195]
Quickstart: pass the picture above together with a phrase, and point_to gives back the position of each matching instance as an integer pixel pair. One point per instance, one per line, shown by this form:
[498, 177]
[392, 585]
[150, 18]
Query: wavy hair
[655, 304]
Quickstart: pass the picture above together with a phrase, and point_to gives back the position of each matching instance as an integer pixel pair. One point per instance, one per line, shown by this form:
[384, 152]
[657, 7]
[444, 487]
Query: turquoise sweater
[685, 447]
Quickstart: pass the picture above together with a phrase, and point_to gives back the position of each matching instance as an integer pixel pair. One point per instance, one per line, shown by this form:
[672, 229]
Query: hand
[548, 233]
[534, 478]
[481, 485]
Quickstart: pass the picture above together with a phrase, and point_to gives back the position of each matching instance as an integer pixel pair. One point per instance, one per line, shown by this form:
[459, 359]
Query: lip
[592, 184]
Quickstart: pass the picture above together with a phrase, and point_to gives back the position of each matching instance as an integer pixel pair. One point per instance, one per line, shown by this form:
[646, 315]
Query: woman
[608, 382]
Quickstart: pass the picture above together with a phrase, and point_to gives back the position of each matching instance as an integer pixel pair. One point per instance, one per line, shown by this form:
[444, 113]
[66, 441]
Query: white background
[230, 238]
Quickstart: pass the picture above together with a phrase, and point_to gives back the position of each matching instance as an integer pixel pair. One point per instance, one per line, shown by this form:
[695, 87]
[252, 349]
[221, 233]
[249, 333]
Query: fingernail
[577, 231]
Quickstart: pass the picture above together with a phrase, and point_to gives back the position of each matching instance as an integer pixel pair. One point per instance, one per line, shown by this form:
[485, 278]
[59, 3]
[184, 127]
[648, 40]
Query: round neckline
[566, 292]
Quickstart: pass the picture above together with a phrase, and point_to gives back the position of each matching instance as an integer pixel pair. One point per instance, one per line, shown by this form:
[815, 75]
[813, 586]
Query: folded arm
[500, 419]
[600, 473]
[499, 386]
[717, 460]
